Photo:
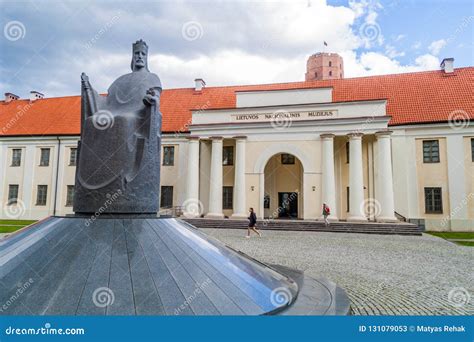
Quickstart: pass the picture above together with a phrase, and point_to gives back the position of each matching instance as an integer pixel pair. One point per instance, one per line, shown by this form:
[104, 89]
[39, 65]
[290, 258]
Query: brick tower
[324, 66]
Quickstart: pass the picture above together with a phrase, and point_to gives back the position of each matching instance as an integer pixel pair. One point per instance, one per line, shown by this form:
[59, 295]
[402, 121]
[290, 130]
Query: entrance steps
[400, 228]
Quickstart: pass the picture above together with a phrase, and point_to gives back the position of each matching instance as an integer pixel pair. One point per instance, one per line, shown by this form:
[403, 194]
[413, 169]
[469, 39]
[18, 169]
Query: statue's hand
[85, 81]
[151, 97]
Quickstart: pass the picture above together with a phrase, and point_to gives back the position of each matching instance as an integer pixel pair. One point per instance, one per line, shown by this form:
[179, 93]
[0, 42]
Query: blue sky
[47, 44]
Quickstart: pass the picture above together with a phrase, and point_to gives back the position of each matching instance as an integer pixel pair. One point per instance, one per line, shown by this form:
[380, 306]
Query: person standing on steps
[252, 224]
[326, 213]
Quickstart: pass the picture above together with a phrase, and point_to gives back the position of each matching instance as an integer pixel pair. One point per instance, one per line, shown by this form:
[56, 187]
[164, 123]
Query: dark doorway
[288, 205]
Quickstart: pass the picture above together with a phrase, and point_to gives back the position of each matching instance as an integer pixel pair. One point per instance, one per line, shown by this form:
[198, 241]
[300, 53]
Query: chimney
[9, 97]
[35, 95]
[447, 65]
[199, 84]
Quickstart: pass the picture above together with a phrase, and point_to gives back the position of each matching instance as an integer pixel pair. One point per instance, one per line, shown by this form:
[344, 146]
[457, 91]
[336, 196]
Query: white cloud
[373, 63]
[416, 45]
[270, 42]
[370, 32]
[399, 37]
[391, 52]
[228, 67]
[436, 46]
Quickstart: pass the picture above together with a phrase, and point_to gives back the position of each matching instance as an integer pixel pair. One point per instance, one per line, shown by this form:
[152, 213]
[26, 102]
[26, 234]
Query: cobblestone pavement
[383, 275]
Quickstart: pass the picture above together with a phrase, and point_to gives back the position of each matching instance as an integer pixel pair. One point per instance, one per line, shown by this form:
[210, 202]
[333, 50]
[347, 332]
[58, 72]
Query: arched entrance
[283, 187]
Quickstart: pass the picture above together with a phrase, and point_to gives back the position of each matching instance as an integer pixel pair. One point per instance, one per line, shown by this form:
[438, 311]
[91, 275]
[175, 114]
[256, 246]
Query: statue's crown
[140, 45]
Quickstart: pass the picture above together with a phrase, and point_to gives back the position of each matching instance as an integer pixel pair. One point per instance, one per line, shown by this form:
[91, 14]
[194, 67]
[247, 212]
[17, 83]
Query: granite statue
[119, 150]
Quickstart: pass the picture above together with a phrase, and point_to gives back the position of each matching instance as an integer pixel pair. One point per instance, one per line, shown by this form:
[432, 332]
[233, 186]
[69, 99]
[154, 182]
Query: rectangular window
[347, 152]
[228, 155]
[287, 158]
[41, 195]
[166, 196]
[347, 199]
[73, 156]
[227, 196]
[16, 157]
[168, 155]
[12, 194]
[70, 195]
[472, 149]
[430, 151]
[44, 159]
[433, 201]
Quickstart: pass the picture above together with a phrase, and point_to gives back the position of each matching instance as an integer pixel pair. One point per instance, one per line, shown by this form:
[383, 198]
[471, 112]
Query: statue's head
[140, 56]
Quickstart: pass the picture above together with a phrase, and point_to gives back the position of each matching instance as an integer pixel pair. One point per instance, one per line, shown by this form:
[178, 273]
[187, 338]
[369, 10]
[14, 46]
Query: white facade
[385, 177]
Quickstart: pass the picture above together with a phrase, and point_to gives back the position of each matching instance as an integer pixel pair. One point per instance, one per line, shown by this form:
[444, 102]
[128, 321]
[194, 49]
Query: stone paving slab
[383, 275]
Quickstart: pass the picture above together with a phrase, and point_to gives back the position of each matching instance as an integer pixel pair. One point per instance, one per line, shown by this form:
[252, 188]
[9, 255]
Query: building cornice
[305, 105]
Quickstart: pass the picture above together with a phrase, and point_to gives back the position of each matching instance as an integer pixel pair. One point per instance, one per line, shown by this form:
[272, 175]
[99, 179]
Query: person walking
[252, 224]
[326, 213]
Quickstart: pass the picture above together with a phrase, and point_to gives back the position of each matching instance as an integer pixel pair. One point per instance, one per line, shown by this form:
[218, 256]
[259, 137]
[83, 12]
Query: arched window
[330, 63]
[330, 73]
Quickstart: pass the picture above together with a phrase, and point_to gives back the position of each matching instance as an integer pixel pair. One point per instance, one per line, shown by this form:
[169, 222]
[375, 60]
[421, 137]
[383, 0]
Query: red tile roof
[419, 97]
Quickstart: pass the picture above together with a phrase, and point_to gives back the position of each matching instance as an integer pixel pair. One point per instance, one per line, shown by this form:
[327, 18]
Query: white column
[4, 185]
[458, 196]
[192, 207]
[215, 189]
[261, 192]
[385, 179]
[240, 212]
[57, 185]
[328, 177]
[356, 181]
[27, 188]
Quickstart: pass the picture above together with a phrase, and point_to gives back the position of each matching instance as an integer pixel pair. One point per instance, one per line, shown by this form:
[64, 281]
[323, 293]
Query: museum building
[381, 148]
